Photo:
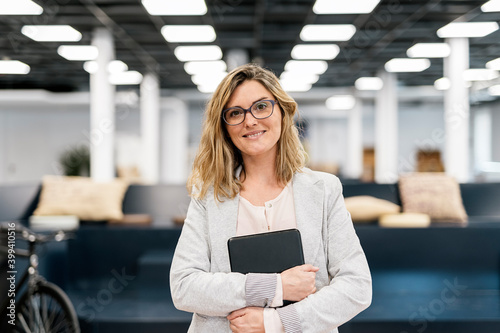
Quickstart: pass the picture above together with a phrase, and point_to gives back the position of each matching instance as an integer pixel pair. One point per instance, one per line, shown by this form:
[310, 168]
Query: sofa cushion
[365, 208]
[83, 197]
[432, 193]
[405, 220]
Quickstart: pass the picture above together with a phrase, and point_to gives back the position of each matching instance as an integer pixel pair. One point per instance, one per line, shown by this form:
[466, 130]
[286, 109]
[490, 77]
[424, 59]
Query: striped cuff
[260, 289]
[290, 319]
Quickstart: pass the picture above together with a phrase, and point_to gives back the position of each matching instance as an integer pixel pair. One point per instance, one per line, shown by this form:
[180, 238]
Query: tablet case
[269, 252]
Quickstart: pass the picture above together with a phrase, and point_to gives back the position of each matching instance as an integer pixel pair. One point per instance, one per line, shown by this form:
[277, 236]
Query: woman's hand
[247, 320]
[299, 282]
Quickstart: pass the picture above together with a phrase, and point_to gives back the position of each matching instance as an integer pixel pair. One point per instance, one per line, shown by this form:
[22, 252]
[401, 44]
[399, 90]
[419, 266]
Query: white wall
[495, 115]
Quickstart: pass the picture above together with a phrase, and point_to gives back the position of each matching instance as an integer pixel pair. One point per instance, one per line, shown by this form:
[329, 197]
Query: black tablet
[269, 252]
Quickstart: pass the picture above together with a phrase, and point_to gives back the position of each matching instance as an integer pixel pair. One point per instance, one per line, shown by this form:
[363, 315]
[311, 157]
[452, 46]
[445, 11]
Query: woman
[249, 177]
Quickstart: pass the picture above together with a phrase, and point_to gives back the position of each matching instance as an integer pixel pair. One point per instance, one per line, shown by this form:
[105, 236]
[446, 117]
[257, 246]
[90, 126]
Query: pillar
[174, 141]
[354, 167]
[102, 110]
[456, 111]
[386, 130]
[150, 128]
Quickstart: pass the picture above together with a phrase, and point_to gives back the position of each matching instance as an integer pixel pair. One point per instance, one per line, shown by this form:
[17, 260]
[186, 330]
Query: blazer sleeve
[349, 291]
[193, 286]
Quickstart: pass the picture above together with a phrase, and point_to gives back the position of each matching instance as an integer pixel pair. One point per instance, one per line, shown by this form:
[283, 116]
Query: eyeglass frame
[273, 102]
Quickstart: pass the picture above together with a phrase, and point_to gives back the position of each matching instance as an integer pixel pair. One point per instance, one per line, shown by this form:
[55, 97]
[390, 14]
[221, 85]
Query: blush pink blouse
[276, 214]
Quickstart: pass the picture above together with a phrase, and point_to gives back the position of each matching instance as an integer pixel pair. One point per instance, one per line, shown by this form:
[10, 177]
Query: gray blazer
[201, 280]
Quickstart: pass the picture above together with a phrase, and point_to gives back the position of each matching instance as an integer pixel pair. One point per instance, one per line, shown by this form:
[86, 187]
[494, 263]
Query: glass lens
[262, 109]
[234, 115]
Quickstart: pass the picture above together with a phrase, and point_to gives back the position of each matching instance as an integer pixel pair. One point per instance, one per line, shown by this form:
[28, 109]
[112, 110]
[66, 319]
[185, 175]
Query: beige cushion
[405, 220]
[366, 208]
[81, 196]
[432, 193]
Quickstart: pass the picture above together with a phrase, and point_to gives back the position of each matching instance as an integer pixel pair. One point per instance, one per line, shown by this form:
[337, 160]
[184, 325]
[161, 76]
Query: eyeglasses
[259, 110]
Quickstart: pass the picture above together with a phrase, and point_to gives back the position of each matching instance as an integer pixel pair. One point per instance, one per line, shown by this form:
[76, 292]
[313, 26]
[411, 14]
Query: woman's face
[254, 137]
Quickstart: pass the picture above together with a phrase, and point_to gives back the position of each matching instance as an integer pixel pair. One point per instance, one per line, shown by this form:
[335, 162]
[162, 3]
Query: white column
[354, 167]
[456, 111]
[235, 58]
[174, 154]
[386, 130]
[482, 138]
[150, 129]
[102, 110]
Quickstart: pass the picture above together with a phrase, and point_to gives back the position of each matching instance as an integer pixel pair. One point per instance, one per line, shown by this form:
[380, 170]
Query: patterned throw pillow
[83, 197]
[432, 193]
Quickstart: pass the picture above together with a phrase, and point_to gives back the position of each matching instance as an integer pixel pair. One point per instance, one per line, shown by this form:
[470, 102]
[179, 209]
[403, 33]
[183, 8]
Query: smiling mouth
[254, 135]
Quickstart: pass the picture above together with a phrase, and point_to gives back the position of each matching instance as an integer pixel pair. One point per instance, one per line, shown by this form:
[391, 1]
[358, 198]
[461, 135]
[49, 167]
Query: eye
[234, 113]
[261, 106]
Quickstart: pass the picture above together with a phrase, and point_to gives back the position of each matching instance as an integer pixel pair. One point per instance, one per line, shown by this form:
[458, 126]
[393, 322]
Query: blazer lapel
[223, 219]
[308, 193]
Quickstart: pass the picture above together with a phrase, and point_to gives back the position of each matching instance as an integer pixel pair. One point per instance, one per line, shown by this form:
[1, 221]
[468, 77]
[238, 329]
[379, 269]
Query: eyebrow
[257, 100]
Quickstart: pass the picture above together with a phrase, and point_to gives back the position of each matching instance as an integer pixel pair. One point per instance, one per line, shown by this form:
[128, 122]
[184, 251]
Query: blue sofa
[445, 278]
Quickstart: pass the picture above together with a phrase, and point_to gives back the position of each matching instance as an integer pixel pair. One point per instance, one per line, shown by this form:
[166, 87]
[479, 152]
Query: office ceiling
[266, 29]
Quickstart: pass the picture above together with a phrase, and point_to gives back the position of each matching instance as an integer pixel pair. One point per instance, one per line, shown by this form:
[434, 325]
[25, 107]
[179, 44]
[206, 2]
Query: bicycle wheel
[47, 310]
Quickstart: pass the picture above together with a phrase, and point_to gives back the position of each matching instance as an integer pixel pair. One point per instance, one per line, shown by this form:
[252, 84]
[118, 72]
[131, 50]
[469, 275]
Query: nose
[250, 120]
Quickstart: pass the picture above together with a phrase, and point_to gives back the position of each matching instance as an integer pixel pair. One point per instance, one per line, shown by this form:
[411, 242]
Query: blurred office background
[108, 88]
[392, 87]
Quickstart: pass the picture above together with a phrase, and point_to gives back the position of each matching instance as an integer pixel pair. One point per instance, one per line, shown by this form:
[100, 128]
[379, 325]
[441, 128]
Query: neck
[260, 169]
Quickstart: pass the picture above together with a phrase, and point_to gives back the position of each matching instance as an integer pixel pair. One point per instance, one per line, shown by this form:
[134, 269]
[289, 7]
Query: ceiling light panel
[200, 67]
[494, 64]
[491, 6]
[51, 33]
[19, 7]
[442, 84]
[78, 52]
[125, 78]
[467, 29]
[315, 51]
[175, 7]
[341, 102]
[429, 50]
[327, 32]
[188, 33]
[14, 67]
[405, 65]
[369, 83]
[310, 67]
[494, 90]
[198, 53]
[480, 74]
[344, 7]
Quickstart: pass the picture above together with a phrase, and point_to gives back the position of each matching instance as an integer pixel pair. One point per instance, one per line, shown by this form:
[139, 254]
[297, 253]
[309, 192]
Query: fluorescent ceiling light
[200, 67]
[117, 66]
[297, 76]
[442, 83]
[125, 78]
[369, 83]
[315, 51]
[19, 7]
[341, 102]
[494, 64]
[290, 86]
[344, 7]
[207, 89]
[13, 67]
[479, 74]
[198, 53]
[91, 66]
[188, 33]
[400, 65]
[467, 29]
[208, 79]
[78, 52]
[175, 7]
[327, 32]
[491, 6]
[51, 33]
[494, 90]
[310, 67]
[429, 50]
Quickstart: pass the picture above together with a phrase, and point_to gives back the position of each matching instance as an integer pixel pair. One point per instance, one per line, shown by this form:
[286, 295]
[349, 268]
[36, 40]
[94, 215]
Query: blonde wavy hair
[218, 158]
